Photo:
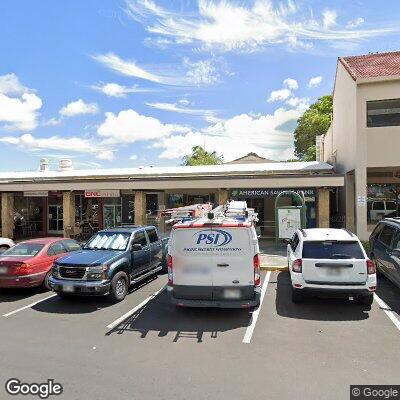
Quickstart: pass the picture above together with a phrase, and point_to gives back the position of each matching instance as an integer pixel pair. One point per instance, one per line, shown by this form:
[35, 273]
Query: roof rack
[349, 232]
[186, 213]
[232, 210]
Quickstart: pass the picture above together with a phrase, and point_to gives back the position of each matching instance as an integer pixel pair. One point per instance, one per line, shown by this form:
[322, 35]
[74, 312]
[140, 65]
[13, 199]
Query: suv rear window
[332, 250]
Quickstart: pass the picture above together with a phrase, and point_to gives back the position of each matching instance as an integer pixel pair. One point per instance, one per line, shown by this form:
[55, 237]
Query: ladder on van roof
[236, 211]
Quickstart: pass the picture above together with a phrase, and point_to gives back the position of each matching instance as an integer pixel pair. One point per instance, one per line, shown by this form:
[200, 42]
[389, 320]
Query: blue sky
[139, 82]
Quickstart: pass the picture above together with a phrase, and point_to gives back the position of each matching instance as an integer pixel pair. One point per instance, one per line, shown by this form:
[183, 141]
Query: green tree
[199, 156]
[315, 121]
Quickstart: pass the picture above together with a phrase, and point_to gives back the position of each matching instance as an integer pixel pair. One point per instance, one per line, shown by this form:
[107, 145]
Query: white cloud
[20, 113]
[78, 107]
[73, 144]
[315, 82]
[181, 108]
[264, 134]
[301, 104]
[130, 68]
[245, 26]
[198, 73]
[10, 84]
[128, 126]
[116, 90]
[355, 23]
[329, 18]
[52, 122]
[290, 84]
[133, 157]
[279, 95]
[201, 72]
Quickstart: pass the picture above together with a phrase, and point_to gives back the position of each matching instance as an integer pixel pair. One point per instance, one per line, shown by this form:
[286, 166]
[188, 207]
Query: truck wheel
[118, 287]
[366, 300]
[297, 295]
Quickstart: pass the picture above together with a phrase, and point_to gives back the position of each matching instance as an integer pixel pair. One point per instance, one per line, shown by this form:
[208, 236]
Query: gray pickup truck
[111, 261]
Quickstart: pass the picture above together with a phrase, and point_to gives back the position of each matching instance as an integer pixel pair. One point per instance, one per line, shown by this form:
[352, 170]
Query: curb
[274, 268]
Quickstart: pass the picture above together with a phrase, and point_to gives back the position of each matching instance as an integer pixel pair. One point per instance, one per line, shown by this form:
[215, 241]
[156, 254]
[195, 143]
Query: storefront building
[363, 140]
[77, 202]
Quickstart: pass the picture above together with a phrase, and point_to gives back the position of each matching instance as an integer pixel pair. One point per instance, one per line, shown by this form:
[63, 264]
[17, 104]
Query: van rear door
[192, 264]
[233, 262]
[333, 262]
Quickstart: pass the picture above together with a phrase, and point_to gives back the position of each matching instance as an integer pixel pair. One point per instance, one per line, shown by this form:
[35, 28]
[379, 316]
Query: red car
[29, 263]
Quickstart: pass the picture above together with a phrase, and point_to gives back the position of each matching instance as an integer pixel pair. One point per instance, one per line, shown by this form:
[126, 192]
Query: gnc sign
[102, 193]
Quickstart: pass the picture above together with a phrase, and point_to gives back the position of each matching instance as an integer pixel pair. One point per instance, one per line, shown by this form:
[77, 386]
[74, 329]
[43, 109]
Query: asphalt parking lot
[146, 348]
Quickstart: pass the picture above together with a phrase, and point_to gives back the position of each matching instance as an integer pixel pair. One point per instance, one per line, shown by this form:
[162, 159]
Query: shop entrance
[112, 214]
[55, 222]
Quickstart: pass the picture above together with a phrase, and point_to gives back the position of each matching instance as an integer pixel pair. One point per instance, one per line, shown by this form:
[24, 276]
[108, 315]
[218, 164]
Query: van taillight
[257, 276]
[371, 269]
[170, 273]
[297, 265]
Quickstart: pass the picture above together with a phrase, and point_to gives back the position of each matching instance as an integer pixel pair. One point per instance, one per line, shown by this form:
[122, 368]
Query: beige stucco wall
[351, 146]
[386, 139]
[342, 145]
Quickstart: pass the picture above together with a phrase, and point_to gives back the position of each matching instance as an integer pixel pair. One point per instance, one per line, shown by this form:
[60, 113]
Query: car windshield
[108, 241]
[24, 249]
[332, 250]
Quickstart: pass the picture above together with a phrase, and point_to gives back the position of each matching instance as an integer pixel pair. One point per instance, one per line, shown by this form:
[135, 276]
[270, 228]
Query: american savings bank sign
[102, 193]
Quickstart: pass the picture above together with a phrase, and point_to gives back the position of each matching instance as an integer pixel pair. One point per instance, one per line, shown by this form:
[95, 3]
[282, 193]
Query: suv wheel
[367, 300]
[118, 287]
[297, 295]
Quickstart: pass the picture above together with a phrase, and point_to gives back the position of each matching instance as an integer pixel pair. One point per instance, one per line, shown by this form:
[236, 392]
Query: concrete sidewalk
[273, 258]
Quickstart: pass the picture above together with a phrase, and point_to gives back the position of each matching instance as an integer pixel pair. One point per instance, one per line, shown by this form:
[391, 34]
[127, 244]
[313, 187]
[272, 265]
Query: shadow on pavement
[81, 304]
[315, 308]
[160, 316]
[11, 295]
[389, 293]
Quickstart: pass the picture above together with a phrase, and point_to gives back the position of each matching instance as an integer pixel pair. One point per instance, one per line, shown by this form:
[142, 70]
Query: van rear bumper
[254, 301]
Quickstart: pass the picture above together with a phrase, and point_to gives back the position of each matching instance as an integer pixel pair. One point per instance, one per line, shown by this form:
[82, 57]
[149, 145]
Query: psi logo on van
[215, 237]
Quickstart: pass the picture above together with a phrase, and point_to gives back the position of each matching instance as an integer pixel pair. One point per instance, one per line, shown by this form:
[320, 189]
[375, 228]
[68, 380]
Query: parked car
[109, 263]
[214, 264]
[379, 209]
[330, 262]
[5, 244]
[385, 248]
[29, 263]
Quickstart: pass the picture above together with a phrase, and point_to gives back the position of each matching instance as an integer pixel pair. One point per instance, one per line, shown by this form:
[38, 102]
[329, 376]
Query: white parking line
[138, 307]
[387, 311]
[29, 305]
[250, 328]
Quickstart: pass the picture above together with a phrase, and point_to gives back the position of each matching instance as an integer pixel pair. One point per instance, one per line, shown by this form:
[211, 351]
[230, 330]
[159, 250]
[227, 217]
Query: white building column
[361, 203]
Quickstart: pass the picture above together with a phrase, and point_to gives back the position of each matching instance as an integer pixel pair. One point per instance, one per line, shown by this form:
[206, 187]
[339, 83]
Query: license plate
[333, 271]
[232, 294]
[3, 270]
[68, 288]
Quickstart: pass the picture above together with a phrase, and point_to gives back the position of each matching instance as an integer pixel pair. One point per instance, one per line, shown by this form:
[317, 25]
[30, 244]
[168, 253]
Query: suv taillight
[257, 276]
[297, 265]
[170, 272]
[371, 269]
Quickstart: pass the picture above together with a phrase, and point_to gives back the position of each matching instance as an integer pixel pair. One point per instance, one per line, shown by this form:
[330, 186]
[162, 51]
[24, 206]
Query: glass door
[111, 215]
[56, 219]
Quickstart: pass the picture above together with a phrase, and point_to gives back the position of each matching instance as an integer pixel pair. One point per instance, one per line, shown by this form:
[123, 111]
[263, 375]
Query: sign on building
[36, 193]
[249, 193]
[289, 220]
[102, 193]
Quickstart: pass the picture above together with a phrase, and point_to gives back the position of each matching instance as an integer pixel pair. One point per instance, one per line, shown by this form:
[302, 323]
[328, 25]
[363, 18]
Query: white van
[214, 263]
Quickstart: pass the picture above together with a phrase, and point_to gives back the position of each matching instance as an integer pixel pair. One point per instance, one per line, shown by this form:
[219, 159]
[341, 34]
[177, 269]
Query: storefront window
[383, 201]
[28, 216]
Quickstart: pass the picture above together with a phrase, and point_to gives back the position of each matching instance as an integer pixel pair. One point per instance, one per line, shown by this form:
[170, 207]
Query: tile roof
[372, 65]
